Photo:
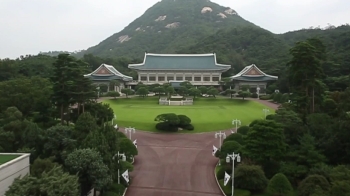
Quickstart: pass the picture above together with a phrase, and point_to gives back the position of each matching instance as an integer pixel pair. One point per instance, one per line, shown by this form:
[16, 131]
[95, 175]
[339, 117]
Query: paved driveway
[174, 165]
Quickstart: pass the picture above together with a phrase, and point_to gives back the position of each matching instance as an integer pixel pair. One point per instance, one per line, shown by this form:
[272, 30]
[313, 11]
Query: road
[174, 165]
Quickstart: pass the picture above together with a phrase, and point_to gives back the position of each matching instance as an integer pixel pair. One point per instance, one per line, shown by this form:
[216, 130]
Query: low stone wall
[9, 171]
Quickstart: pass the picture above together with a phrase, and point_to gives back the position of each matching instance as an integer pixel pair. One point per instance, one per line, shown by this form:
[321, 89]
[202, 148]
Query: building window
[197, 79]
[143, 78]
[188, 78]
[179, 78]
[161, 78]
[170, 78]
[152, 78]
[207, 79]
[216, 79]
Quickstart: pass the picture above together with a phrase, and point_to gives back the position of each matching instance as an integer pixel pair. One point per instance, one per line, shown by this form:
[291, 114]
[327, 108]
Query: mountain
[169, 26]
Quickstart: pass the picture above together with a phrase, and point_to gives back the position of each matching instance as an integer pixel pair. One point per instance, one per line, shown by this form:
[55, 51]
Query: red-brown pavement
[176, 164]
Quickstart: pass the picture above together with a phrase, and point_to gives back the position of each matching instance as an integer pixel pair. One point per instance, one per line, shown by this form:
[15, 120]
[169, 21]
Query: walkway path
[175, 164]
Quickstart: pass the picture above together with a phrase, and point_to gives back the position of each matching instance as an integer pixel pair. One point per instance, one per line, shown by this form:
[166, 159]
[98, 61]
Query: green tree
[92, 172]
[169, 118]
[58, 142]
[265, 141]
[231, 92]
[85, 124]
[279, 185]
[213, 91]
[40, 166]
[126, 91]
[169, 90]
[126, 146]
[194, 92]
[250, 177]
[63, 83]
[203, 89]
[311, 183]
[159, 90]
[54, 182]
[143, 91]
[304, 72]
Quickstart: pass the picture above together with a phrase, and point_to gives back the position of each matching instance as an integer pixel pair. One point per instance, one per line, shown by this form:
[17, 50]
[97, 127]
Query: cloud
[28, 27]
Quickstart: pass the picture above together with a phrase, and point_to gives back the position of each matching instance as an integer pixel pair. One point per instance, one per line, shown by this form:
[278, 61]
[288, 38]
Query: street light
[220, 135]
[237, 123]
[129, 130]
[98, 92]
[118, 155]
[257, 91]
[265, 110]
[232, 157]
[115, 117]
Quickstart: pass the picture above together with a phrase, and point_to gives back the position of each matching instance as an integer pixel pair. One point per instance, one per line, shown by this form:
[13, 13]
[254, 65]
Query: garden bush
[253, 123]
[309, 184]
[113, 94]
[228, 147]
[188, 127]
[279, 185]
[221, 173]
[243, 130]
[254, 95]
[250, 177]
[284, 98]
[111, 193]
[265, 97]
[235, 137]
[164, 126]
[277, 98]
[270, 117]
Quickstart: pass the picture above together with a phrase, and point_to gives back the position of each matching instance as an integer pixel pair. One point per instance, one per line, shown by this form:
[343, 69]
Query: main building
[199, 69]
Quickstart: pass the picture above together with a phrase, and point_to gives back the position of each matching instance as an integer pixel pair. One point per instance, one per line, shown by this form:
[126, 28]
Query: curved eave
[145, 69]
[108, 78]
[254, 79]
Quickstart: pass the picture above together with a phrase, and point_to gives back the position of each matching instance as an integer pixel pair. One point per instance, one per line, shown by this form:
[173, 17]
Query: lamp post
[232, 157]
[98, 92]
[118, 155]
[129, 130]
[237, 123]
[265, 110]
[115, 117]
[257, 91]
[220, 135]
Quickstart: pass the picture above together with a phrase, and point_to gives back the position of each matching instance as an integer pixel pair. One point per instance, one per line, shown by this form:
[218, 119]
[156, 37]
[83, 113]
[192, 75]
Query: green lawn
[207, 114]
[6, 158]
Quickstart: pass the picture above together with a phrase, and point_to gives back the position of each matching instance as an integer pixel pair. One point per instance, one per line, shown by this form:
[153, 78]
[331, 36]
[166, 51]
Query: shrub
[270, 117]
[116, 188]
[254, 95]
[250, 177]
[221, 173]
[228, 147]
[188, 127]
[310, 183]
[235, 137]
[253, 123]
[284, 98]
[164, 126]
[184, 120]
[279, 185]
[110, 193]
[243, 130]
[265, 97]
[113, 94]
[277, 98]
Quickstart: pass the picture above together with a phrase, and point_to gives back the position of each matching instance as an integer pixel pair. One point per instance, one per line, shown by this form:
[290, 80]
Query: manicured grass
[207, 114]
[7, 158]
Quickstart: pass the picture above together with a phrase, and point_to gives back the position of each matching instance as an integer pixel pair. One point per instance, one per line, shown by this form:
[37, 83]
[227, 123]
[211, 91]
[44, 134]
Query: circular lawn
[207, 114]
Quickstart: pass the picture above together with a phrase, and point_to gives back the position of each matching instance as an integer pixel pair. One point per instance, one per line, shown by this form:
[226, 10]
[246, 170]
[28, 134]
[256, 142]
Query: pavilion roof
[253, 73]
[107, 72]
[180, 62]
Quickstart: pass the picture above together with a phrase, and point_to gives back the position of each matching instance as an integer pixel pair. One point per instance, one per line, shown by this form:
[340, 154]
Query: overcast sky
[31, 26]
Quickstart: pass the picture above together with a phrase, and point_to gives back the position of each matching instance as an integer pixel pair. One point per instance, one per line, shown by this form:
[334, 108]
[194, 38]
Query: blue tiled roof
[180, 62]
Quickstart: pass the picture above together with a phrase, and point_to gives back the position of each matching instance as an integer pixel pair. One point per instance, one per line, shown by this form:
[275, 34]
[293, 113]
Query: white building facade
[199, 69]
[9, 171]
